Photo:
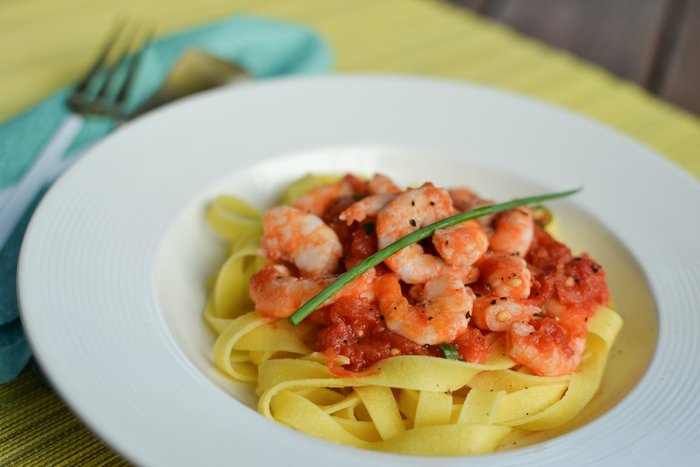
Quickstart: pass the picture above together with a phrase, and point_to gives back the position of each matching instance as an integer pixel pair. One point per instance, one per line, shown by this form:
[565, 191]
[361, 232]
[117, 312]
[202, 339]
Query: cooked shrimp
[513, 232]
[381, 185]
[440, 315]
[462, 244]
[464, 199]
[506, 275]
[317, 200]
[408, 212]
[301, 238]
[500, 313]
[548, 347]
[278, 294]
[368, 206]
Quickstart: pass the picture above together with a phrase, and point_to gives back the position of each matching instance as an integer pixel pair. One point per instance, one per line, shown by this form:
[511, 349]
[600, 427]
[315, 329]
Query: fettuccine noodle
[407, 404]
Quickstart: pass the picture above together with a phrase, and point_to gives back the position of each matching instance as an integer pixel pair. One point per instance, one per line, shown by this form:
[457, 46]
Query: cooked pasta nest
[405, 404]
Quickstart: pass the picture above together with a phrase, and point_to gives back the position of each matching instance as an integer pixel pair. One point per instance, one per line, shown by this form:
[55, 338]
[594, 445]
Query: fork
[102, 92]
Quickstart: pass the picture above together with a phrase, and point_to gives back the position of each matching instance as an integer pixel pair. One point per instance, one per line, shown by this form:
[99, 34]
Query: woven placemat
[38, 429]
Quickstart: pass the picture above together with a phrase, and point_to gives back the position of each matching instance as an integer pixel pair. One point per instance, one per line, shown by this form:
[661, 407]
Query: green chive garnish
[449, 351]
[542, 215]
[364, 266]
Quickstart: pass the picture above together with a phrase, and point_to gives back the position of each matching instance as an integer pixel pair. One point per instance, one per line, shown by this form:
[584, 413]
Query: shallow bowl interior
[190, 253]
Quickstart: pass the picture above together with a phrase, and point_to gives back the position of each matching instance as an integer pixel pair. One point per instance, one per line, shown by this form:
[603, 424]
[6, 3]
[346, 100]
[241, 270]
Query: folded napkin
[263, 47]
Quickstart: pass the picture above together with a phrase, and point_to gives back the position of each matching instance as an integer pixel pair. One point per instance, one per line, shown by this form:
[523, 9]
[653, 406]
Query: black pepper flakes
[413, 222]
[493, 302]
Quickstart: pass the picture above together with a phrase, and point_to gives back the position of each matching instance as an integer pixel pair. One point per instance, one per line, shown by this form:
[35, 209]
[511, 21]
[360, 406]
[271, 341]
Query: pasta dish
[480, 336]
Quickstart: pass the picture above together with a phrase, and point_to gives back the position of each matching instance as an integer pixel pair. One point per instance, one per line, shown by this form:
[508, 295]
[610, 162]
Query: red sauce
[353, 327]
[578, 283]
[549, 335]
[341, 228]
[473, 346]
[581, 287]
[363, 244]
[546, 253]
[356, 330]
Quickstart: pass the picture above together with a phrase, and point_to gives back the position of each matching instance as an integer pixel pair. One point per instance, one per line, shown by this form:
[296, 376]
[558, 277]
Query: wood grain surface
[653, 43]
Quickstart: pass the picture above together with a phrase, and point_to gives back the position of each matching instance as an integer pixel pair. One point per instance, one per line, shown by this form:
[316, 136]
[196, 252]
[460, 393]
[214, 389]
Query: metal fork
[104, 91]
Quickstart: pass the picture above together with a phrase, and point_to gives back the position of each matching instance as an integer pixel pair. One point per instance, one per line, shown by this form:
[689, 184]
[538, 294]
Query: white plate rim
[671, 270]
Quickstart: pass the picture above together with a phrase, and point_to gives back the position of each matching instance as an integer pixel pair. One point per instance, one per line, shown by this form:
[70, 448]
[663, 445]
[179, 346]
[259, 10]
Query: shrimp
[548, 347]
[381, 190]
[506, 276]
[408, 212]
[303, 239]
[317, 200]
[500, 313]
[382, 185]
[364, 208]
[440, 315]
[513, 232]
[464, 199]
[462, 244]
[277, 293]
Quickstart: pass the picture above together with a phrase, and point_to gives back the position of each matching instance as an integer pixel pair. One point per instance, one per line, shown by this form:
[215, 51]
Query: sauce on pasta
[488, 332]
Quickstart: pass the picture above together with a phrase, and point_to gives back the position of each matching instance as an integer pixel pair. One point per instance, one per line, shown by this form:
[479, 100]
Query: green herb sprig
[365, 265]
[449, 351]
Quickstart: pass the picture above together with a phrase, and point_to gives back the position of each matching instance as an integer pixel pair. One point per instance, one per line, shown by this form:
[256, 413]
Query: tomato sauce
[549, 335]
[473, 346]
[577, 283]
[353, 327]
[356, 330]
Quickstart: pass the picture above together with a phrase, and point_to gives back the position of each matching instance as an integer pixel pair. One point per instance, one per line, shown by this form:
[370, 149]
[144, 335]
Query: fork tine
[134, 64]
[105, 88]
[114, 72]
[109, 45]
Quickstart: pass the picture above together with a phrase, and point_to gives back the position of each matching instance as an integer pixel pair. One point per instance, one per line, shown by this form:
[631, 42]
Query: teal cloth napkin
[265, 48]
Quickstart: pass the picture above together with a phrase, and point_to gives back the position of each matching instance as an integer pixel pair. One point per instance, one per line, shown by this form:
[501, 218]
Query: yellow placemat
[42, 47]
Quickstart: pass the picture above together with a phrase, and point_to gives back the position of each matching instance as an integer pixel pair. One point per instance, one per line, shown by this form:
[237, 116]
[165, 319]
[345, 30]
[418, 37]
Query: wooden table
[653, 43]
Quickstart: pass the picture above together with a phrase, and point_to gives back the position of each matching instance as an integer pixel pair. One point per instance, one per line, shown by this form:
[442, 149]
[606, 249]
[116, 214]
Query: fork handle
[41, 172]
